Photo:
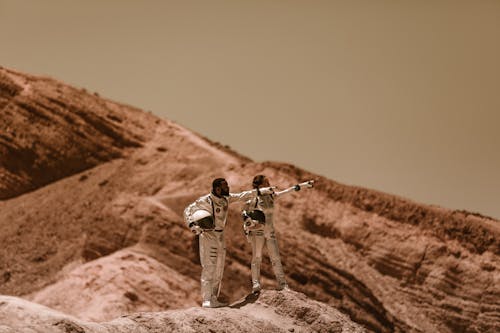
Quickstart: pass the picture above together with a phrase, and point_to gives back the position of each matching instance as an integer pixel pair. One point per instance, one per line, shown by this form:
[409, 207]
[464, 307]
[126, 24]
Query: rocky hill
[91, 217]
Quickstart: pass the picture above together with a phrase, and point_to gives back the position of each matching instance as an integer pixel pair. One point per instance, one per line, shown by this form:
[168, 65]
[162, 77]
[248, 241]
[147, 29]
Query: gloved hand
[196, 230]
[247, 220]
[249, 223]
[308, 184]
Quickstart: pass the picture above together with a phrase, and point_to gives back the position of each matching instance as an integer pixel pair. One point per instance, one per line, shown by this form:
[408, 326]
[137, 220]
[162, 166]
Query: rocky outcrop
[272, 311]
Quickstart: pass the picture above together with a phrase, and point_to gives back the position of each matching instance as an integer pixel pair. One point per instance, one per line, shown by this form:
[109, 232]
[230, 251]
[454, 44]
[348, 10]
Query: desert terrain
[93, 240]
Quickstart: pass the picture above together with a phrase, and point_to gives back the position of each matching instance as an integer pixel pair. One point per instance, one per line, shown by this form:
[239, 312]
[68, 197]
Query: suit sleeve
[288, 190]
[242, 196]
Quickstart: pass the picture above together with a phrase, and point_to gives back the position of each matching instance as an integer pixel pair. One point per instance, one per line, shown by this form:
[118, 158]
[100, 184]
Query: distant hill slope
[109, 228]
[50, 130]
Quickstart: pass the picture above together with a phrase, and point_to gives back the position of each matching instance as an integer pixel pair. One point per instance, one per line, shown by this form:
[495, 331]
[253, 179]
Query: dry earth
[91, 226]
[272, 311]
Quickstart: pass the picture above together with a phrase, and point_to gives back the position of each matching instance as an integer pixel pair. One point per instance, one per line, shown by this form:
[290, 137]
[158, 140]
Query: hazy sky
[399, 96]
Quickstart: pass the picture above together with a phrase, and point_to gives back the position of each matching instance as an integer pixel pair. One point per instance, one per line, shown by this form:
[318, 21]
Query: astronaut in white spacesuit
[206, 217]
[259, 227]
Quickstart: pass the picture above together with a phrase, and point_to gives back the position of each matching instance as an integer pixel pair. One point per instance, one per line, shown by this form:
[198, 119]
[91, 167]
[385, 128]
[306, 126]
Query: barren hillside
[91, 225]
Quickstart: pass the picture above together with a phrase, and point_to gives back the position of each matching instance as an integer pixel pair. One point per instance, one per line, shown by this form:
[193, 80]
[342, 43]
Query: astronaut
[206, 217]
[259, 228]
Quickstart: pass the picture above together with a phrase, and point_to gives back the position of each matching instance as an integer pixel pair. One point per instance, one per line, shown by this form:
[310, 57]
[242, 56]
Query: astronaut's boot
[215, 303]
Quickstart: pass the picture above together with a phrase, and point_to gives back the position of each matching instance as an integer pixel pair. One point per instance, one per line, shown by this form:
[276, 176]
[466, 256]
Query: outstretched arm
[297, 187]
[247, 195]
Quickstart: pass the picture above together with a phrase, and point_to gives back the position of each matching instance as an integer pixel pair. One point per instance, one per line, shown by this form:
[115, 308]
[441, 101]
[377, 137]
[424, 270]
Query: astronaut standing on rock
[259, 228]
[206, 217]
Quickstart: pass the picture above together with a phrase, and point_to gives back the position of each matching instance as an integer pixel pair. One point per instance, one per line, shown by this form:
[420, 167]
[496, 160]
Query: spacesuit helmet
[203, 219]
[257, 216]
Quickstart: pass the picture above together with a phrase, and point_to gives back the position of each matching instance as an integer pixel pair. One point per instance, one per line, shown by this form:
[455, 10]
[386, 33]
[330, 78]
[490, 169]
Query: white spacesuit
[259, 229]
[212, 242]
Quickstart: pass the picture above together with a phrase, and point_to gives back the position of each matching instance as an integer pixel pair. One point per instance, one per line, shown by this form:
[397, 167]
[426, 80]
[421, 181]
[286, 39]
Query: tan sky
[399, 96]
